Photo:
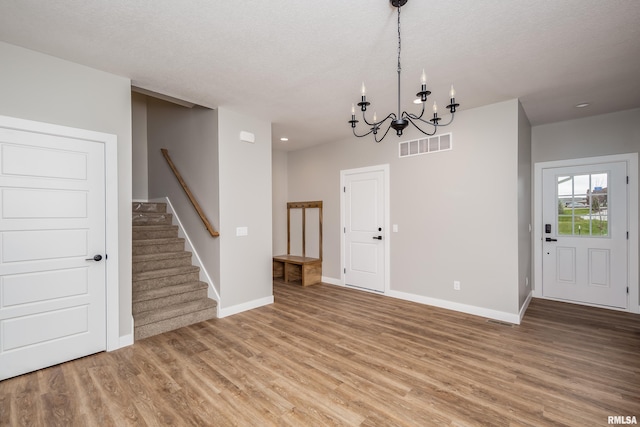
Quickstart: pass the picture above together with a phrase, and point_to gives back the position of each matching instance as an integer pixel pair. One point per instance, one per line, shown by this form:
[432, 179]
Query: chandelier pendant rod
[399, 66]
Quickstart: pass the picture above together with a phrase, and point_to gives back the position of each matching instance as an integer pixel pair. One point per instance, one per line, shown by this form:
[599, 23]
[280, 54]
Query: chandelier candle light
[400, 121]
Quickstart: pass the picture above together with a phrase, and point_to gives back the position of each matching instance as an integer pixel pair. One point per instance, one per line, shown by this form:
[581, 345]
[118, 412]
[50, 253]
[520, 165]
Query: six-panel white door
[52, 224]
[364, 220]
[584, 244]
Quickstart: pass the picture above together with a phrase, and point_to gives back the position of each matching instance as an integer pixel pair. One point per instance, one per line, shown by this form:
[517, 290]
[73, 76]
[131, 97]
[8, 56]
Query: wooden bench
[293, 268]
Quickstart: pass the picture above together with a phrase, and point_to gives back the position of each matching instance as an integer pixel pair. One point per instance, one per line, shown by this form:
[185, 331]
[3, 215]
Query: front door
[364, 229]
[52, 225]
[584, 241]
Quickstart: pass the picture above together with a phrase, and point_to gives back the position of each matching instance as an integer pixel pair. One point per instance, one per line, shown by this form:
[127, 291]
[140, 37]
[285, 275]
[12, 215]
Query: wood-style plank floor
[326, 355]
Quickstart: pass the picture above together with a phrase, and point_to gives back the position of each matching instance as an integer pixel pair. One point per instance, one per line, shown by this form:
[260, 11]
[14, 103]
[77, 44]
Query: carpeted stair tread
[187, 319]
[156, 246]
[176, 310]
[161, 241]
[166, 272]
[170, 296]
[155, 227]
[154, 231]
[139, 207]
[161, 256]
[165, 291]
[160, 261]
[151, 219]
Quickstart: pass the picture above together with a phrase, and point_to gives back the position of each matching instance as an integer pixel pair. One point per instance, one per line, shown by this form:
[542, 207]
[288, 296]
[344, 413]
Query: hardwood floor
[325, 355]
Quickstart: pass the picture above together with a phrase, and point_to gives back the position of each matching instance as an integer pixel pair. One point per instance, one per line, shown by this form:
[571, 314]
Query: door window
[583, 205]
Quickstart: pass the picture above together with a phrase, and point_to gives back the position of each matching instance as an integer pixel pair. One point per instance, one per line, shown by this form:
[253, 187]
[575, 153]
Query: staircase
[167, 291]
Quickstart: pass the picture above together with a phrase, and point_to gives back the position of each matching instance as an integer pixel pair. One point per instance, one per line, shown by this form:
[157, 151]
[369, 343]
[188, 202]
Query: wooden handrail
[192, 199]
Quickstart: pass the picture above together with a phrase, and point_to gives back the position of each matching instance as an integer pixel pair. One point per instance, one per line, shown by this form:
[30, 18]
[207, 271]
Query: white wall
[614, 133]
[280, 194]
[457, 211]
[191, 136]
[524, 207]
[139, 168]
[39, 87]
[245, 201]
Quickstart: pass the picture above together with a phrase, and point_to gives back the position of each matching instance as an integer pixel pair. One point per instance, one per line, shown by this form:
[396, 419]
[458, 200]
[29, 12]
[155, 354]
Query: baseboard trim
[331, 281]
[125, 341]
[456, 306]
[245, 306]
[527, 301]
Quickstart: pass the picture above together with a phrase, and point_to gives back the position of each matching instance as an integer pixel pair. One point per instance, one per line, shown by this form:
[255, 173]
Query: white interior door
[52, 224]
[364, 230]
[584, 242]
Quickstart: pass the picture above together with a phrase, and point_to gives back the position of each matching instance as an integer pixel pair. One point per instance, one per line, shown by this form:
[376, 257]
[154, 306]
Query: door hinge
[345, 272]
[106, 256]
[627, 289]
[627, 235]
[627, 179]
[345, 230]
[344, 189]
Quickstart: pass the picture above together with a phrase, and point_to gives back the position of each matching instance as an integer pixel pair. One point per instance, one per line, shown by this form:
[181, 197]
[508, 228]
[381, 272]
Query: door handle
[549, 239]
[377, 237]
[95, 258]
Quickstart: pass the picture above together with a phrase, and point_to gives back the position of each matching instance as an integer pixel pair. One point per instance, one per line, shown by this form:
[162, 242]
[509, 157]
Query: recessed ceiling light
[584, 104]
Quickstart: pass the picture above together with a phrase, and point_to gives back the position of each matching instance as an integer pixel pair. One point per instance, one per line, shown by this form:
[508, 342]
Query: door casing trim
[110, 142]
[384, 168]
[631, 159]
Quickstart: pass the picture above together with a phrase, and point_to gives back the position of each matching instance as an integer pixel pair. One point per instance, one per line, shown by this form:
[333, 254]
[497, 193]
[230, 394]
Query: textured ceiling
[299, 64]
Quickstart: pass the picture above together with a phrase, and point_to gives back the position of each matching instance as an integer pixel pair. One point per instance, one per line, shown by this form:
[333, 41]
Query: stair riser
[137, 207]
[173, 323]
[158, 249]
[176, 310]
[140, 266]
[142, 285]
[161, 303]
[151, 219]
[155, 234]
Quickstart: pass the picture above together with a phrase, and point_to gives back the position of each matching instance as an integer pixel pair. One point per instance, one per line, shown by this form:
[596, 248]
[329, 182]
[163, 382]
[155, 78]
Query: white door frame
[632, 192]
[387, 221]
[111, 206]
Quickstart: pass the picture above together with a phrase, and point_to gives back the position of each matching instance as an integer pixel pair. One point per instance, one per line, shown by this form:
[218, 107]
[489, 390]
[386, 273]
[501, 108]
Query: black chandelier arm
[375, 134]
[430, 122]
[379, 122]
[413, 116]
[435, 128]
[363, 135]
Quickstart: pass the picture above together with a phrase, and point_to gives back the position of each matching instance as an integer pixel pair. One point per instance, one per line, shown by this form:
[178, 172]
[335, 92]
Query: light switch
[242, 231]
[395, 228]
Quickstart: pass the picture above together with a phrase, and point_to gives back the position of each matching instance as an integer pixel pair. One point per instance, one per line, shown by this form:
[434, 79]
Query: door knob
[549, 239]
[95, 258]
[377, 237]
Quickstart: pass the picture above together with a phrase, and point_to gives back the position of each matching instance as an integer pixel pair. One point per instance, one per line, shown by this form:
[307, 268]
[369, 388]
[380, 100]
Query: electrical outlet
[456, 285]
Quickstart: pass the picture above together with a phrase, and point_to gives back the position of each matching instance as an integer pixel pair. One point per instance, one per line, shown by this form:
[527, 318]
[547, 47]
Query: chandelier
[400, 121]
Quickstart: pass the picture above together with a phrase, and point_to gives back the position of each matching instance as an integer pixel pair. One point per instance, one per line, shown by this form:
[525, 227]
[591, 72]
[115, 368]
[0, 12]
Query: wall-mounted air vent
[427, 145]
